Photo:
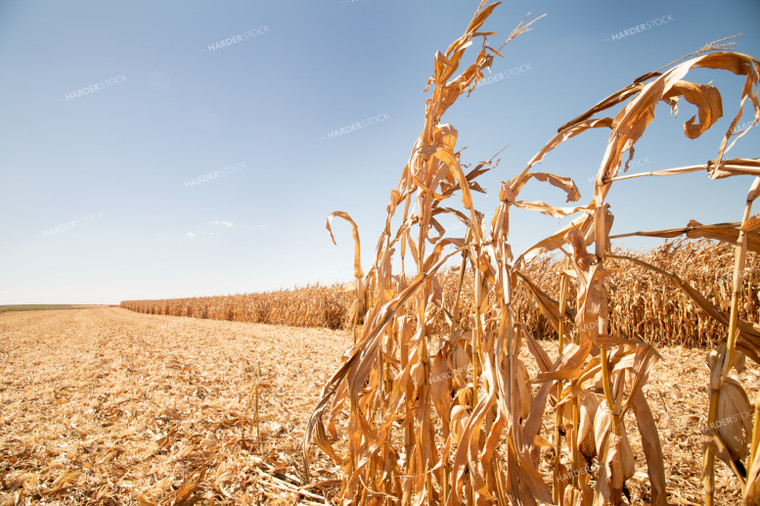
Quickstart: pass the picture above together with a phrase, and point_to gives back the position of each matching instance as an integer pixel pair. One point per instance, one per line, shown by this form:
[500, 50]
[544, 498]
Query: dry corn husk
[617, 464]
[588, 409]
[734, 420]
[459, 417]
[460, 361]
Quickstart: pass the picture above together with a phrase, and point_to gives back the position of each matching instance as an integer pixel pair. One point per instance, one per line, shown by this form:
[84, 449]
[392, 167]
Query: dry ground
[106, 406]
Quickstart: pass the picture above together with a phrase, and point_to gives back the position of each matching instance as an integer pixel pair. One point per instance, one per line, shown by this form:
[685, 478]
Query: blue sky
[125, 170]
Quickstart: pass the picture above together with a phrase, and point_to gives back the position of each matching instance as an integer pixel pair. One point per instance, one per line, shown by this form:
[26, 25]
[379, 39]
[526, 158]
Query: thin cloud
[223, 223]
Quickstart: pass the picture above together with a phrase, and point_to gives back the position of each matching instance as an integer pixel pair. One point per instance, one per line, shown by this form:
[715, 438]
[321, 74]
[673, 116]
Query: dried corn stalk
[728, 397]
[450, 418]
[426, 413]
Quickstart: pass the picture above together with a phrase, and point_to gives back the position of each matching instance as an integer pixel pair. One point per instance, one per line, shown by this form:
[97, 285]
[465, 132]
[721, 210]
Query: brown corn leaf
[584, 224]
[725, 232]
[548, 306]
[713, 441]
[358, 274]
[650, 441]
[734, 167]
[544, 208]
[707, 99]
[570, 364]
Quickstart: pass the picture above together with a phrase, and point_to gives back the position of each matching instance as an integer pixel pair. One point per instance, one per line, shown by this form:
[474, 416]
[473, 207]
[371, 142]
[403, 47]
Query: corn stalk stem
[753, 449]
[455, 309]
[476, 337]
[558, 413]
[574, 440]
[740, 259]
[708, 471]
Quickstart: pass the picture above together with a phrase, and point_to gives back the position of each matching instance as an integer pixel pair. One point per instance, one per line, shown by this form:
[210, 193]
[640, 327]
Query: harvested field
[105, 406]
[39, 307]
[108, 406]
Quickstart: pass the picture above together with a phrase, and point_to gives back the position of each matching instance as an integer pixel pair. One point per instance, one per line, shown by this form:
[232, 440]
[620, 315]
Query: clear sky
[115, 116]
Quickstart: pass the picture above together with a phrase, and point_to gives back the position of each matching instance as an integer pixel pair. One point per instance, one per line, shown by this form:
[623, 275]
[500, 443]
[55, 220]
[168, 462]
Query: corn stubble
[450, 417]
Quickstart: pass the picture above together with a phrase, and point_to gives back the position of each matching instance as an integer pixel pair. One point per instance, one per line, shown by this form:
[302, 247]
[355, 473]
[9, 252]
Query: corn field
[311, 306]
[655, 312]
[403, 435]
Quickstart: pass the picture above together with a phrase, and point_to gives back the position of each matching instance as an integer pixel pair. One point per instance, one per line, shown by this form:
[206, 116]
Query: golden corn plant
[451, 418]
[426, 412]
